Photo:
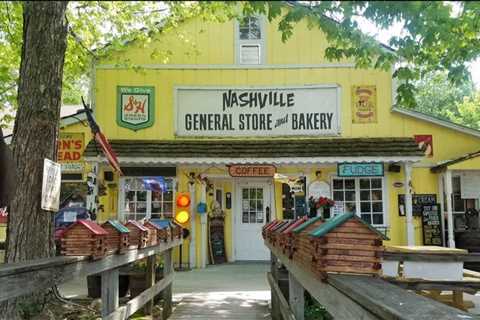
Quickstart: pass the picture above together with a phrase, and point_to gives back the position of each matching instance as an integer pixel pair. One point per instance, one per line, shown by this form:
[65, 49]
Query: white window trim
[260, 42]
[148, 214]
[385, 197]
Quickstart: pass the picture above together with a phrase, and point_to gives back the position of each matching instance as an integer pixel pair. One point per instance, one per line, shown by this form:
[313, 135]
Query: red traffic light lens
[183, 201]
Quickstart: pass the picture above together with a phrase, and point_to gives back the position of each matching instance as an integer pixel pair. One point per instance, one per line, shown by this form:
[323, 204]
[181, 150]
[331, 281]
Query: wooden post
[276, 315]
[150, 278]
[193, 235]
[408, 204]
[109, 291]
[448, 200]
[441, 193]
[296, 297]
[167, 292]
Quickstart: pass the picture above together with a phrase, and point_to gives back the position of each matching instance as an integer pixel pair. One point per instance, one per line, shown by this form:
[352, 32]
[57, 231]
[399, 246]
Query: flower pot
[94, 286]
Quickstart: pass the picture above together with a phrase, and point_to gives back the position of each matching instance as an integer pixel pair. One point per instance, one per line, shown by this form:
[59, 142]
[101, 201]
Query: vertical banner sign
[70, 151]
[51, 182]
[135, 107]
[279, 111]
[364, 104]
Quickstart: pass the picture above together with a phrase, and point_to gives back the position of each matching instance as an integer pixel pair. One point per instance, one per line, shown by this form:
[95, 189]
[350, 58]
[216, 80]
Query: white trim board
[229, 66]
[280, 160]
[440, 122]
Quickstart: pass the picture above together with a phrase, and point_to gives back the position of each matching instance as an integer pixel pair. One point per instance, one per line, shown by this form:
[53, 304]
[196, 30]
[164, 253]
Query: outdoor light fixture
[182, 215]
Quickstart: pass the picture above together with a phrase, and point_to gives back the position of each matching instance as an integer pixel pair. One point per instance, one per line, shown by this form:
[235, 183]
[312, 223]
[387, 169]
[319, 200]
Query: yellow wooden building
[259, 126]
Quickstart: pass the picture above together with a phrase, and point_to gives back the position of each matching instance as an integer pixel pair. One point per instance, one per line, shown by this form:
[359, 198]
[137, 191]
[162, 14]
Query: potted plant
[320, 206]
[138, 277]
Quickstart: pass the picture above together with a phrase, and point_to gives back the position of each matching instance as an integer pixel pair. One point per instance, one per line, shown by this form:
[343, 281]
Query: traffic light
[182, 215]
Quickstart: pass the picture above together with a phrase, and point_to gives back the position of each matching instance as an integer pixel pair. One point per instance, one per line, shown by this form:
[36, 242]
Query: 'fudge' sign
[286, 111]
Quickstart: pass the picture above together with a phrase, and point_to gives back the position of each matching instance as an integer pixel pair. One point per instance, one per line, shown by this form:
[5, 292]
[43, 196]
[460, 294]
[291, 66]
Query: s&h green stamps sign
[135, 107]
[360, 169]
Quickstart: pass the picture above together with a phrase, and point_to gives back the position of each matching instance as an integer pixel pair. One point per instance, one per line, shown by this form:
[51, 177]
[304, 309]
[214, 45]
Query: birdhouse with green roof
[346, 244]
[117, 240]
[302, 250]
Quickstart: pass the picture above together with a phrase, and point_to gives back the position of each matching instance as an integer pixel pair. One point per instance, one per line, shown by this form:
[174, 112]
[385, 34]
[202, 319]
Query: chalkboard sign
[217, 241]
[418, 201]
[432, 227]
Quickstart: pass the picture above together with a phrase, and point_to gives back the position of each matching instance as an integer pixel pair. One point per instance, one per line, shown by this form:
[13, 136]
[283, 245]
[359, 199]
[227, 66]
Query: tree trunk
[30, 230]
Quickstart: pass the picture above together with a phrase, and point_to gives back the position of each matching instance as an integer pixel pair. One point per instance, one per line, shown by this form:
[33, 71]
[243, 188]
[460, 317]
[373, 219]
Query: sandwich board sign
[52, 177]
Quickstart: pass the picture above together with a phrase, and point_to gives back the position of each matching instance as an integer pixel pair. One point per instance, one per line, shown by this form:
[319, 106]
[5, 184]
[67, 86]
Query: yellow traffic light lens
[182, 217]
[183, 200]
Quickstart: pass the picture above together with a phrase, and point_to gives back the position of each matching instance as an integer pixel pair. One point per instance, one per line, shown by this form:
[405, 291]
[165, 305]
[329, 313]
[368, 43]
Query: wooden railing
[18, 279]
[348, 297]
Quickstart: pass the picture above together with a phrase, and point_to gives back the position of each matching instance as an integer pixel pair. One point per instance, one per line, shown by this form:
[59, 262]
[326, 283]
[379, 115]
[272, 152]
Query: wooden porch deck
[230, 291]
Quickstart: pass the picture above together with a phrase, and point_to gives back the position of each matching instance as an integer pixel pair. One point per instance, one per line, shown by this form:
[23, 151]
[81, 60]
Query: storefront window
[139, 202]
[363, 196]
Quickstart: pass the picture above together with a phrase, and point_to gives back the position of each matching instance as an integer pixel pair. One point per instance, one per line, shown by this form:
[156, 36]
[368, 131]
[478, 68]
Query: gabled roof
[442, 166]
[136, 224]
[437, 121]
[159, 223]
[306, 224]
[337, 221]
[118, 226]
[90, 225]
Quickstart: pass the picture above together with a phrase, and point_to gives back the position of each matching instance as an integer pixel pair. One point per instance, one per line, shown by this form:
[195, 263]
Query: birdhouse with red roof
[153, 231]
[84, 238]
[118, 237]
[138, 236]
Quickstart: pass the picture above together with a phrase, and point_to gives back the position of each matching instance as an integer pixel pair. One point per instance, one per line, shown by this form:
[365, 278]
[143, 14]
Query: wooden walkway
[230, 291]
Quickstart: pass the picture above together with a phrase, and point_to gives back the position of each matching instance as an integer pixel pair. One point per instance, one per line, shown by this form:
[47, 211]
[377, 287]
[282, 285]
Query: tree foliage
[437, 36]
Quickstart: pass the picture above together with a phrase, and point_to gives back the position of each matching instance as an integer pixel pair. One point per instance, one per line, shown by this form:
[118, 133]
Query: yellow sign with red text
[70, 151]
[364, 104]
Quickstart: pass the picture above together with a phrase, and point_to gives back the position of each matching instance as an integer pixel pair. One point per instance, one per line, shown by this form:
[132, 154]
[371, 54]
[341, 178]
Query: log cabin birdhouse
[301, 249]
[138, 236]
[177, 230]
[84, 238]
[346, 244]
[164, 229]
[153, 232]
[117, 240]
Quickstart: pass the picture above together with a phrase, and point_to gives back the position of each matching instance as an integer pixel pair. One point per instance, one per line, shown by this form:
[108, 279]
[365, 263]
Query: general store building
[259, 125]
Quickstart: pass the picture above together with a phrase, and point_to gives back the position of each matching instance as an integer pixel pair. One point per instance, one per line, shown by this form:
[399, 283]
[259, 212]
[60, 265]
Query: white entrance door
[253, 208]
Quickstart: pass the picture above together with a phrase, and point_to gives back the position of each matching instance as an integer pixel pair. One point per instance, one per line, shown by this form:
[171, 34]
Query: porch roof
[444, 165]
[281, 151]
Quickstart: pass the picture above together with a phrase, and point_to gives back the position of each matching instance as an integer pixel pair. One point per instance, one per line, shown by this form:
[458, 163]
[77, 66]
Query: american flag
[102, 140]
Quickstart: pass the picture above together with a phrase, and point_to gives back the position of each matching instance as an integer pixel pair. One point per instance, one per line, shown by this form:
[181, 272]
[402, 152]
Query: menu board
[418, 201]
[432, 227]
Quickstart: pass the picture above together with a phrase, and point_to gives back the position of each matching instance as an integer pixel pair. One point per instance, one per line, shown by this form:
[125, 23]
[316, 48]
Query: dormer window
[250, 41]
[250, 29]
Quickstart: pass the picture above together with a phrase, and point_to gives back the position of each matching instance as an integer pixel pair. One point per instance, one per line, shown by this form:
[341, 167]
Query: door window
[252, 205]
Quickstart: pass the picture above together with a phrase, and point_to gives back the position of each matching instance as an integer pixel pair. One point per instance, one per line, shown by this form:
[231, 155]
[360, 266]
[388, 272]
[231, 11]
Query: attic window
[250, 29]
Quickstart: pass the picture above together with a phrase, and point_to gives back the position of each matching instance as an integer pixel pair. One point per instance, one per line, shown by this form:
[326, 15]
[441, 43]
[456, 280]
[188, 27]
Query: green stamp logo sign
[360, 169]
[135, 107]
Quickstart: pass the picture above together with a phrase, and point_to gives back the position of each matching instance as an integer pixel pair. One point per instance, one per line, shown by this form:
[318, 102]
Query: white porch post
[91, 198]
[441, 198]
[203, 221]
[193, 251]
[448, 196]
[408, 204]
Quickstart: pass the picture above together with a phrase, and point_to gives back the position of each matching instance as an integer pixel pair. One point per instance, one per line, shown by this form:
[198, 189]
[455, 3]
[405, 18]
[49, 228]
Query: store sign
[364, 104]
[285, 111]
[70, 151]
[135, 107]
[252, 170]
[51, 182]
[360, 169]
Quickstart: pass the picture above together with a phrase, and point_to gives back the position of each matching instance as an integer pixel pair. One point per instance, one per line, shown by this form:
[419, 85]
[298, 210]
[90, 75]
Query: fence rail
[18, 279]
[350, 297]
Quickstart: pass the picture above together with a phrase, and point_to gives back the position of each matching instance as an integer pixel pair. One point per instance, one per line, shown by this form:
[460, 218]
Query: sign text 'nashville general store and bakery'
[286, 111]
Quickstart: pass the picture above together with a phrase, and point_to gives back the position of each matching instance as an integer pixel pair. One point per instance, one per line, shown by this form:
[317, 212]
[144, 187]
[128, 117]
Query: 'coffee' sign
[252, 170]
[280, 111]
